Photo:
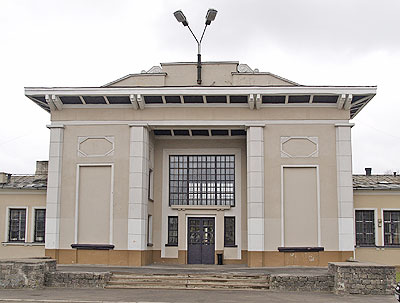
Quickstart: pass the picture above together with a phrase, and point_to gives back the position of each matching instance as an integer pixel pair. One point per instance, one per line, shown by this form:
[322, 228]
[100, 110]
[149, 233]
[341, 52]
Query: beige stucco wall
[326, 162]
[199, 112]
[20, 198]
[378, 200]
[212, 74]
[120, 160]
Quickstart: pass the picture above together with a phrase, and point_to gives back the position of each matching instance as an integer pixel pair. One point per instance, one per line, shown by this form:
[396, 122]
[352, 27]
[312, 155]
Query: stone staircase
[190, 281]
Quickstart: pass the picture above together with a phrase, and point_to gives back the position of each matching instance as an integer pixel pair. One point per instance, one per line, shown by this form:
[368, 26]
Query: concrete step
[189, 281]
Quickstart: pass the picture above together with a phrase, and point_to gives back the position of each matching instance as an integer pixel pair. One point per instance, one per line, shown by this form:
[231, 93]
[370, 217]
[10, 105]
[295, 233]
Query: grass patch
[397, 277]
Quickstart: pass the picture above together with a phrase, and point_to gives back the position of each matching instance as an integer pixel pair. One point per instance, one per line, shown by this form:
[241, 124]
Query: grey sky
[90, 43]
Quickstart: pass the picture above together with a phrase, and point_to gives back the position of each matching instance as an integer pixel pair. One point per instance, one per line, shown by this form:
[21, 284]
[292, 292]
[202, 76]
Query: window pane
[40, 223]
[17, 225]
[365, 227]
[229, 231]
[200, 183]
[391, 227]
[173, 230]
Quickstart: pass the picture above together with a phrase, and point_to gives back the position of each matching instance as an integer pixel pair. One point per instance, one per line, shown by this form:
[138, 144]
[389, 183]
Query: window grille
[40, 224]
[391, 227]
[17, 224]
[229, 231]
[365, 227]
[202, 180]
[173, 231]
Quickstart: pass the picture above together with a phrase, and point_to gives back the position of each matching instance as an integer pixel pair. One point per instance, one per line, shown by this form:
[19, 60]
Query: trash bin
[219, 258]
[397, 292]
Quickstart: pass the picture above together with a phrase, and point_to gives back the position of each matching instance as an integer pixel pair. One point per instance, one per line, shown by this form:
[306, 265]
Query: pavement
[68, 295]
[196, 268]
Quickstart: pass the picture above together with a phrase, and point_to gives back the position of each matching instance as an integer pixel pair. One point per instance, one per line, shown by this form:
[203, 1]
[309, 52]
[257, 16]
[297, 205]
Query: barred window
[40, 224]
[202, 180]
[229, 231]
[391, 227]
[173, 231]
[17, 224]
[365, 227]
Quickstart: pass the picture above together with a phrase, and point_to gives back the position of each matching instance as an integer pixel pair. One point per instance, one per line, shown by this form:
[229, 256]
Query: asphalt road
[68, 295]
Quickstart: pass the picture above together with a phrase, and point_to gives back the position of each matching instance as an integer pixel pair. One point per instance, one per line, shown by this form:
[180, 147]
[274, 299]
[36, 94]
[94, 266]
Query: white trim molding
[109, 152]
[286, 154]
[345, 187]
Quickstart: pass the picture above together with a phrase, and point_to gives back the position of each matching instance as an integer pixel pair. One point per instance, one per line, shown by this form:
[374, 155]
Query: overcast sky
[90, 43]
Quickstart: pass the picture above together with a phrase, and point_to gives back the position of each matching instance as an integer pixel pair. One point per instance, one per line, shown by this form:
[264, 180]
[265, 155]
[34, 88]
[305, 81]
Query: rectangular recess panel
[219, 132]
[153, 99]
[94, 99]
[70, 100]
[299, 99]
[193, 99]
[119, 99]
[172, 99]
[181, 132]
[238, 132]
[238, 99]
[325, 99]
[162, 132]
[216, 99]
[273, 99]
[357, 98]
[200, 132]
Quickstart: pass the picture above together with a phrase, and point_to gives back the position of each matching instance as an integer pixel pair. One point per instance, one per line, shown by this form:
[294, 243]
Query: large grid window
[229, 231]
[40, 224]
[173, 231]
[16, 225]
[202, 180]
[365, 227]
[392, 227]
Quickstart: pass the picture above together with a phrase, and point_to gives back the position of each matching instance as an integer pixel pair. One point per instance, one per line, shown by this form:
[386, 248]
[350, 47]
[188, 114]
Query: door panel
[201, 240]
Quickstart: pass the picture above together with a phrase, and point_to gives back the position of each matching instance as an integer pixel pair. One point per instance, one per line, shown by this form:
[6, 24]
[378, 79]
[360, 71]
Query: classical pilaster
[344, 187]
[255, 188]
[138, 187]
[53, 199]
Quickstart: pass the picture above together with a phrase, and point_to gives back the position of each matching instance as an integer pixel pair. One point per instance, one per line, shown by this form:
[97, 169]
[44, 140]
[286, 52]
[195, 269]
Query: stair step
[205, 279]
[189, 286]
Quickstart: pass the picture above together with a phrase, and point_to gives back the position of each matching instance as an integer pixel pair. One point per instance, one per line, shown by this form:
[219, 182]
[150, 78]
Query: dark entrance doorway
[201, 240]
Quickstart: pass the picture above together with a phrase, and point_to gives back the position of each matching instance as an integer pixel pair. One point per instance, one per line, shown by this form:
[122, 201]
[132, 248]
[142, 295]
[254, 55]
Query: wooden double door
[201, 240]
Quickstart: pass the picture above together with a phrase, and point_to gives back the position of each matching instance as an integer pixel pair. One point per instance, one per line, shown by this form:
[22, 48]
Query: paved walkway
[62, 295]
[200, 269]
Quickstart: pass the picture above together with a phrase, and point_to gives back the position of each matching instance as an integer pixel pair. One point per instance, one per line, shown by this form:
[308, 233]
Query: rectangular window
[150, 193]
[16, 225]
[365, 227]
[173, 231]
[40, 224]
[229, 231]
[391, 227]
[202, 180]
[149, 229]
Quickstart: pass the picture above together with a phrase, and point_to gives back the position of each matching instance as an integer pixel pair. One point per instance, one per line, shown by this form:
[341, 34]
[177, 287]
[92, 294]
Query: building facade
[155, 168]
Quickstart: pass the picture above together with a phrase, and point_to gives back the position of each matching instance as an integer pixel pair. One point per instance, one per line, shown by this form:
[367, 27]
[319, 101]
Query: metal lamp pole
[180, 17]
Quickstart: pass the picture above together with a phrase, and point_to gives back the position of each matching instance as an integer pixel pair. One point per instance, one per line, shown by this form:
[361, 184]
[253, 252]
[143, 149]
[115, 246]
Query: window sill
[230, 246]
[22, 244]
[171, 245]
[203, 207]
[149, 244]
[150, 199]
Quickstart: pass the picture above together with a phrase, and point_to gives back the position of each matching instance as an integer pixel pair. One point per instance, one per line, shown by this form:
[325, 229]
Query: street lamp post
[180, 17]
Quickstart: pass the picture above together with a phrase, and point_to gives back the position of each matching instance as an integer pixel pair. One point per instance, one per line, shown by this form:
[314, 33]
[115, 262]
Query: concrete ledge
[362, 278]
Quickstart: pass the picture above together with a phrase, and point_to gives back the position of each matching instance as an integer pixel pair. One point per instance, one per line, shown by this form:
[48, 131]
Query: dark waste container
[219, 258]
[397, 292]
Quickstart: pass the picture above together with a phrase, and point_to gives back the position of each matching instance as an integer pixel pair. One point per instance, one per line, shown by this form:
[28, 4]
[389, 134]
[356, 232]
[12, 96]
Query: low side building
[23, 213]
[377, 218]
